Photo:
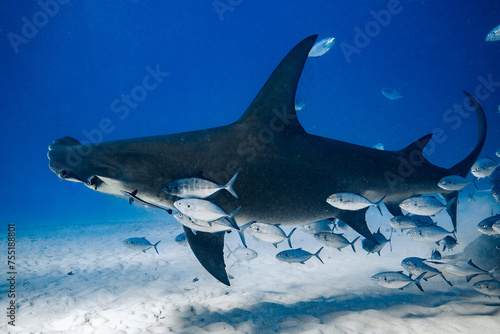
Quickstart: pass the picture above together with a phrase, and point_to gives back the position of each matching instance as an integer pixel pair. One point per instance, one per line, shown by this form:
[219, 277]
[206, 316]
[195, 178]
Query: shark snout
[62, 159]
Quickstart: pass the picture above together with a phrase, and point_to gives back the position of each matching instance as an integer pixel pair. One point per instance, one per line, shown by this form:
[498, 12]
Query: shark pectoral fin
[209, 250]
[356, 220]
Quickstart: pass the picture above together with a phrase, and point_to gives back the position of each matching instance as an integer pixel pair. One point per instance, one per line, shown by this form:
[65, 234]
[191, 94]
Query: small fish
[495, 192]
[140, 244]
[489, 288]
[423, 205]
[242, 253]
[132, 196]
[498, 151]
[431, 233]
[396, 280]
[449, 242]
[181, 239]
[299, 103]
[416, 266]
[402, 222]
[267, 232]
[321, 47]
[435, 255]
[379, 146]
[297, 255]
[351, 202]
[197, 187]
[200, 209]
[196, 225]
[371, 247]
[453, 183]
[485, 226]
[483, 167]
[493, 35]
[391, 94]
[335, 240]
[460, 268]
[316, 227]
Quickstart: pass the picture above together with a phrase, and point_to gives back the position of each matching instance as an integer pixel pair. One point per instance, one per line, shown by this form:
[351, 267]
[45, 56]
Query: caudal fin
[156, 249]
[229, 185]
[317, 254]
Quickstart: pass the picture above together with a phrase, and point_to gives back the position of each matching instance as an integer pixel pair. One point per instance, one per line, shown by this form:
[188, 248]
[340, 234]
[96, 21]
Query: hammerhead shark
[285, 173]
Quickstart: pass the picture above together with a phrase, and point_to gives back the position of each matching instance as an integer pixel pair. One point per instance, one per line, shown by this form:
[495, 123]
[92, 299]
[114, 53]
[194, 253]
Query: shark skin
[285, 174]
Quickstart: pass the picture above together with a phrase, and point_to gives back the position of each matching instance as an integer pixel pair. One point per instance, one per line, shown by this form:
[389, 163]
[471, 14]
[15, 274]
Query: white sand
[115, 289]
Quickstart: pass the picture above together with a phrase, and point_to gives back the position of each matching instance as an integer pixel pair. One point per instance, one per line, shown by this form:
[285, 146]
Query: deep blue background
[65, 78]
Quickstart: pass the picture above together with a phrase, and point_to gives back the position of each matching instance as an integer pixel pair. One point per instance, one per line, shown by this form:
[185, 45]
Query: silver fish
[334, 240]
[200, 209]
[351, 202]
[483, 167]
[267, 232]
[197, 187]
[485, 226]
[391, 94]
[316, 227]
[402, 222]
[416, 266]
[297, 255]
[489, 288]
[242, 253]
[435, 255]
[379, 146]
[498, 151]
[181, 239]
[431, 233]
[299, 103]
[396, 280]
[453, 183]
[197, 225]
[493, 35]
[322, 47]
[140, 244]
[371, 247]
[449, 242]
[422, 205]
[460, 268]
[132, 196]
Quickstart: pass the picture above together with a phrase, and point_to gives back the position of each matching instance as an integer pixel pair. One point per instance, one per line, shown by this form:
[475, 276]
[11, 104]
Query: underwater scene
[234, 166]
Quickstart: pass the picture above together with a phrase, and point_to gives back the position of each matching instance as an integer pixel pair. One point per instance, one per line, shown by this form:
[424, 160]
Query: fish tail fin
[418, 279]
[231, 218]
[156, 249]
[289, 236]
[377, 204]
[230, 252]
[229, 185]
[352, 244]
[317, 254]
[469, 277]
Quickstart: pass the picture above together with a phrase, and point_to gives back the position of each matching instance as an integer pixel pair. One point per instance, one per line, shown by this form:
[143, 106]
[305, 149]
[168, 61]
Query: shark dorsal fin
[274, 107]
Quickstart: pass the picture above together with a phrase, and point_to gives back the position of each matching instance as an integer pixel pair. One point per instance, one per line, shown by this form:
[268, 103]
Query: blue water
[63, 78]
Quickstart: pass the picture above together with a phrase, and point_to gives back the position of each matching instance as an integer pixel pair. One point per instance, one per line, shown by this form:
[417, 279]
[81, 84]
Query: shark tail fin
[418, 279]
[463, 167]
[352, 244]
[229, 185]
[289, 236]
[156, 249]
[317, 254]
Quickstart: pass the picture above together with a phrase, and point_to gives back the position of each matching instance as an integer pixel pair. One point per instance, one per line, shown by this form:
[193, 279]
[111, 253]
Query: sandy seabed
[115, 289]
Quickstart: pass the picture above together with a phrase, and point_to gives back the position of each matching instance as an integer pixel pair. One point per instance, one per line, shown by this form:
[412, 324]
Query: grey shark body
[285, 174]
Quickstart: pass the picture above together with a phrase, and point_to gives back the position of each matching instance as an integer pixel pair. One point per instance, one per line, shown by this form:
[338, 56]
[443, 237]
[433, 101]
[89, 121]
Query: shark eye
[64, 173]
